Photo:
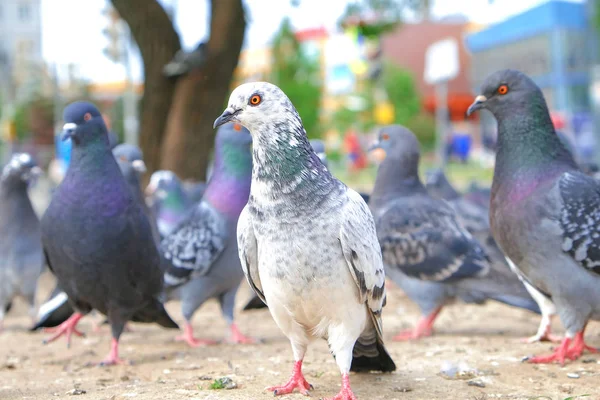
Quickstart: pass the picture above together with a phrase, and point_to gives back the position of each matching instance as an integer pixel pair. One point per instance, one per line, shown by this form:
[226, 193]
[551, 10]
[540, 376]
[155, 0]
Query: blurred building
[20, 40]
[550, 43]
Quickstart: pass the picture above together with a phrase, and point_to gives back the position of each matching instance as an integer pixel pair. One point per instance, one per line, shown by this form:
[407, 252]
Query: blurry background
[162, 70]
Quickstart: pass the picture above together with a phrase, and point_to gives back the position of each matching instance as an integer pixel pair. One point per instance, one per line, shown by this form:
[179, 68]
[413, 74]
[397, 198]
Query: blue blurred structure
[63, 150]
[550, 43]
[461, 145]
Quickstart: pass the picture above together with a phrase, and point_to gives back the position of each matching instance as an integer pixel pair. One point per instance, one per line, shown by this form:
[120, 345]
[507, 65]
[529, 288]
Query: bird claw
[238, 337]
[346, 392]
[412, 334]
[67, 328]
[546, 337]
[297, 380]
[564, 352]
[195, 342]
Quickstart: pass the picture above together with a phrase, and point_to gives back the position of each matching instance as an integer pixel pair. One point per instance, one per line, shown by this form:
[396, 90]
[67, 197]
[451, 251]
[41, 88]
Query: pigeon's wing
[422, 238]
[194, 245]
[358, 239]
[471, 215]
[248, 252]
[580, 218]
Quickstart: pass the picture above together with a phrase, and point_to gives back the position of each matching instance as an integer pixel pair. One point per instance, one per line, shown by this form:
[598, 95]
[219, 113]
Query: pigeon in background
[169, 201]
[544, 211]
[426, 251]
[307, 243]
[21, 259]
[203, 247]
[96, 238]
[318, 147]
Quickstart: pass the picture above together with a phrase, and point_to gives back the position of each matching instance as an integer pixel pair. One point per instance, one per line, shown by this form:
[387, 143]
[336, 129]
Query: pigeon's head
[21, 168]
[258, 106]
[506, 91]
[319, 148]
[84, 124]
[398, 145]
[162, 183]
[130, 154]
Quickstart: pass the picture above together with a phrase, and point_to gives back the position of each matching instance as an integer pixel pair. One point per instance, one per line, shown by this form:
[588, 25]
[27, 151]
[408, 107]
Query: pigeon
[203, 247]
[131, 162]
[21, 259]
[426, 250]
[319, 148]
[544, 211]
[96, 238]
[57, 308]
[307, 243]
[169, 201]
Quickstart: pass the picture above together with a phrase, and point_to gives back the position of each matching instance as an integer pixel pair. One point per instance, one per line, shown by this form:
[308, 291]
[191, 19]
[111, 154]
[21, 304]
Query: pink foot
[543, 334]
[67, 328]
[564, 352]
[345, 393]
[296, 381]
[113, 356]
[424, 328]
[188, 337]
[238, 337]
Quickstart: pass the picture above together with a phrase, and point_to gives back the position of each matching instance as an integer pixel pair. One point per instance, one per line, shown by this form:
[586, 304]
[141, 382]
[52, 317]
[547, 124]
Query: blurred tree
[399, 85]
[35, 119]
[423, 126]
[177, 114]
[299, 76]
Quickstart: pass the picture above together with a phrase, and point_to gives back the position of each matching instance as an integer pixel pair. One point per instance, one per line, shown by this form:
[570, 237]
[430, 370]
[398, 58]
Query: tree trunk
[201, 94]
[158, 42]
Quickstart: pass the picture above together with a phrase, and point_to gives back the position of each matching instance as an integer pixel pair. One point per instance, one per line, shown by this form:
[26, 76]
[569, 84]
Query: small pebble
[476, 383]
[75, 392]
[573, 375]
[401, 389]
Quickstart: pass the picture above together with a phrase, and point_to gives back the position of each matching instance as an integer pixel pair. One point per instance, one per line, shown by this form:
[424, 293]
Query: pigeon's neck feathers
[397, 177]
[285, 165]
[229, 186]
[14, 202]
[529, 153]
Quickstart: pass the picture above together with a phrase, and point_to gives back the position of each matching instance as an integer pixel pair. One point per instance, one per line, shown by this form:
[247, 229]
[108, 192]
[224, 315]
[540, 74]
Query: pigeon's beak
[478, 104]
[374, 146]
[36, 171]
[227, 116]
[322, 156]
[151, 188]
[377, 151]
[139, 166]
[68, 130]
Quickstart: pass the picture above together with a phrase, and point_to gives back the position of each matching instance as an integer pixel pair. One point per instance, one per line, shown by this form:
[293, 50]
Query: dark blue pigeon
[96, 238]
[21, 259]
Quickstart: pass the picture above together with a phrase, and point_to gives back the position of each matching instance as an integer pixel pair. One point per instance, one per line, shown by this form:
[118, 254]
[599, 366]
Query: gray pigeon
[544, 211]
[203, 247]
[169, 200]
[426, 250]
[307, 242]
[21, 259]
[96, 238]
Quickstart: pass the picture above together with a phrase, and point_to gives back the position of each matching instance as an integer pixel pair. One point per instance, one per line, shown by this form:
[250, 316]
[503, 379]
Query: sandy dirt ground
[480, 339]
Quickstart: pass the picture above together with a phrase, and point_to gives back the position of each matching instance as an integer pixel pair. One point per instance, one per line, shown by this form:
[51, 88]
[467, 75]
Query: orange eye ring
[502, 89]
[255, 100]
[385, 136]
[87, 117]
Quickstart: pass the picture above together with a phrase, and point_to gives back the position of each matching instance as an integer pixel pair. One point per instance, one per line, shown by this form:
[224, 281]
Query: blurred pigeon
[97, 240]
[203, 247]
[184, 62]
[307, 242]
[54, 311]
[438, 186]
[169, 200]
[426, 251]
[21, 259]
[319, 148]
[544, 211]
[131, 162]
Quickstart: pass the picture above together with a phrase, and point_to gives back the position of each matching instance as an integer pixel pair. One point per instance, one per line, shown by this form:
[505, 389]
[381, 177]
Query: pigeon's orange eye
[255, 100]
[385, 136]
[502, 89]
[237, 127]
[87, 116]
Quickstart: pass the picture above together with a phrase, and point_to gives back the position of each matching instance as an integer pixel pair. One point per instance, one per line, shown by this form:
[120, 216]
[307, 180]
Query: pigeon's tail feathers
[370, 354]
[255, 303]
[155, 312]
[53, 312]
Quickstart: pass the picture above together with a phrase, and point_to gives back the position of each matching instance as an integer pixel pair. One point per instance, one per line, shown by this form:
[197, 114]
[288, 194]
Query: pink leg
[238, 337]
[424, 328]
[113, 356]
[67, 328]
[296, 381]
[544, 333]
[188, 337]
[346, 392]
[563, 352]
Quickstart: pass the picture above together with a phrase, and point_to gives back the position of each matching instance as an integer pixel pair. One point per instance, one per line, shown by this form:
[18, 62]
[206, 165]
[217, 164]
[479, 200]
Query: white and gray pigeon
[203, 247]
[426, 250]
[544, 211]
[307, 242]
[96, 238]
[21, 258]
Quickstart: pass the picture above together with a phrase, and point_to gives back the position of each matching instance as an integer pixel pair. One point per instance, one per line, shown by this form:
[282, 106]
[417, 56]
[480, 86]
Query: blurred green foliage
[34, 117]
[423, 126]
[299, 76]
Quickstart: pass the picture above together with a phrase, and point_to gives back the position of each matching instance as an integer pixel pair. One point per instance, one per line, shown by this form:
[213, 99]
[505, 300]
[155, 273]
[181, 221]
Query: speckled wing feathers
[194, 245]
[426, 242]
[580, 218]
[247, 250]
